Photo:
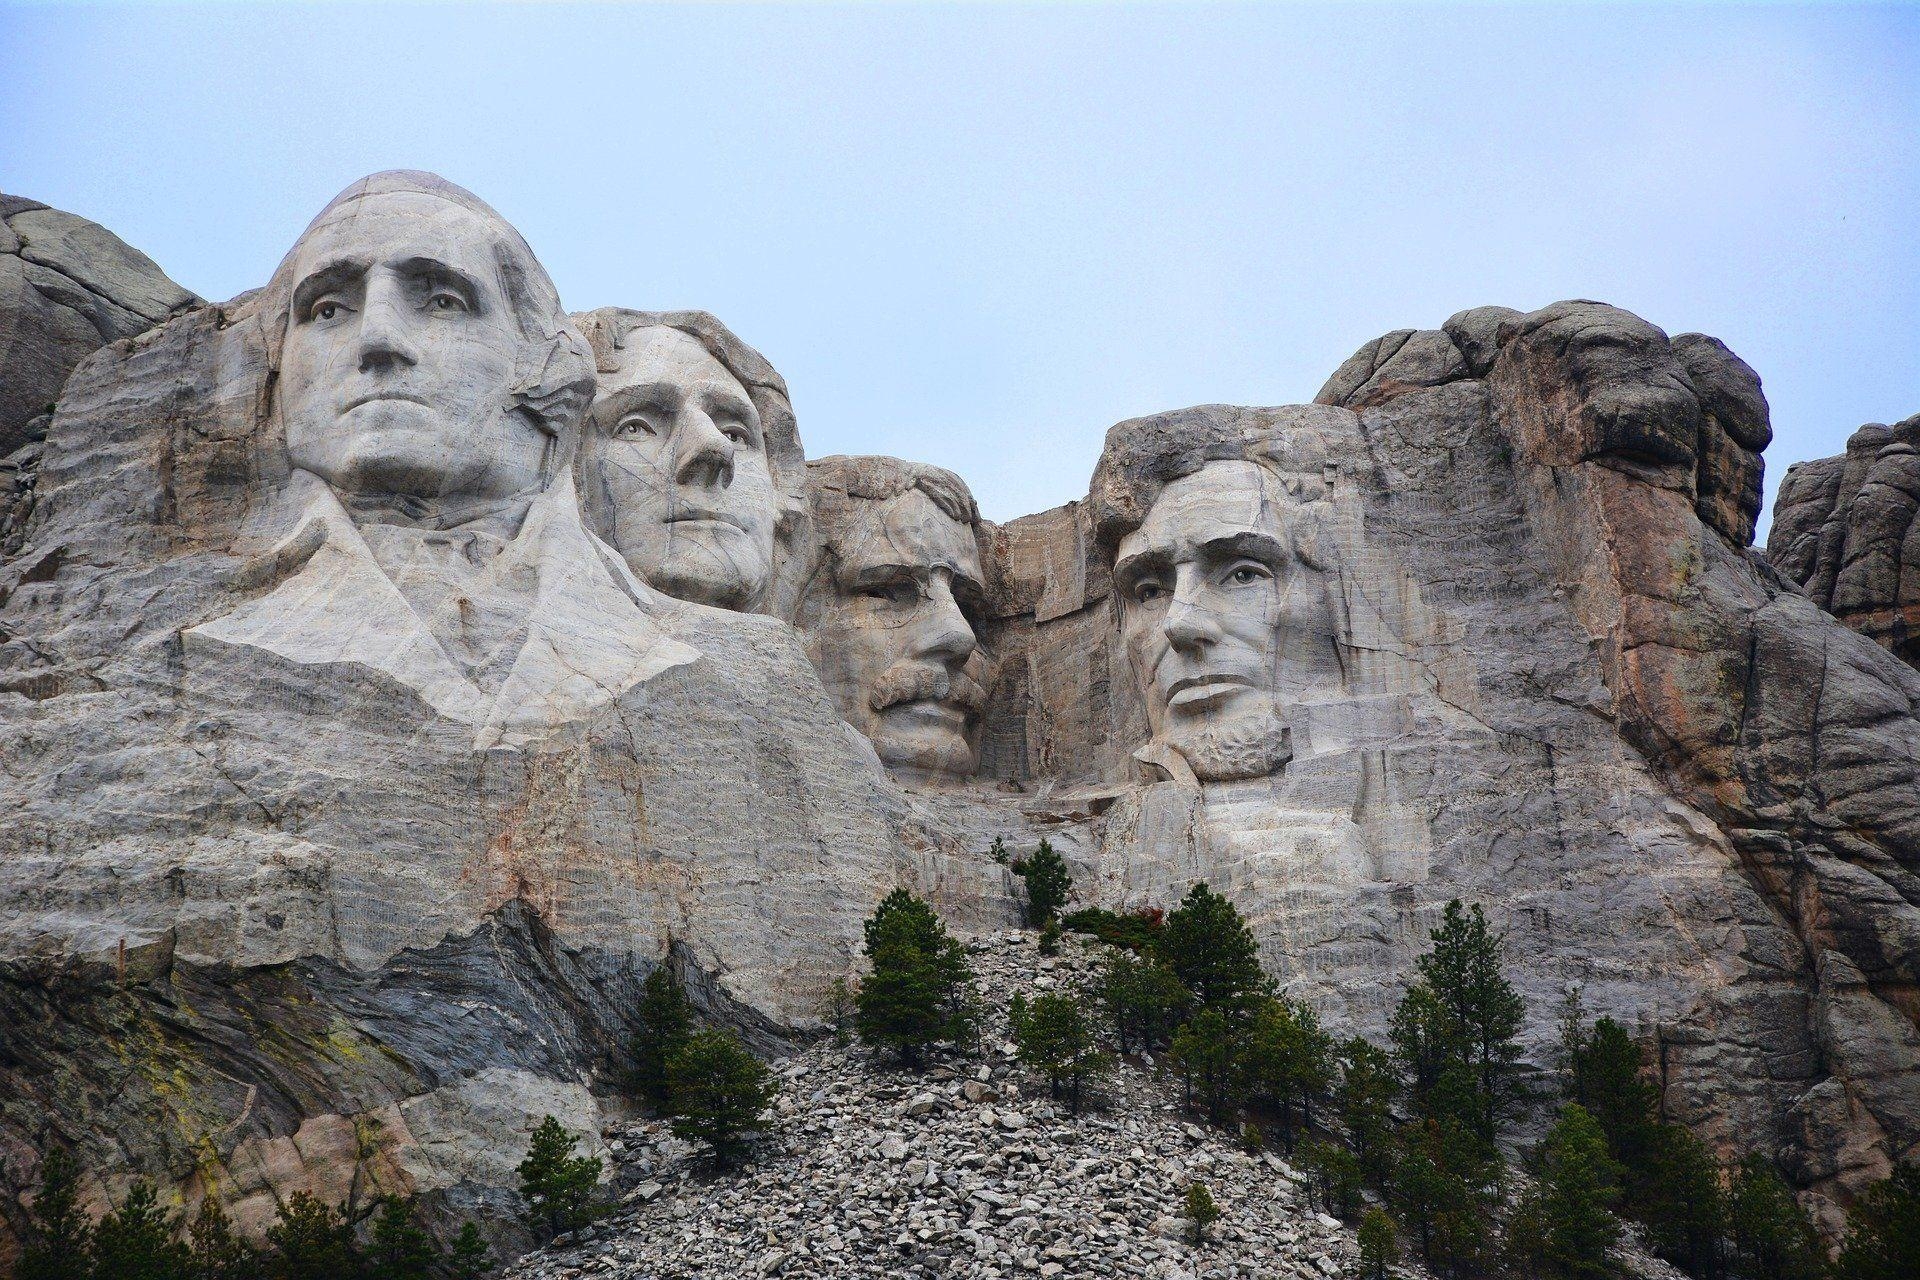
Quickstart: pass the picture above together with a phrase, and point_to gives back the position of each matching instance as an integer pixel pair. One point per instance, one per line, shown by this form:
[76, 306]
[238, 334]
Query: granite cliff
[395, 669]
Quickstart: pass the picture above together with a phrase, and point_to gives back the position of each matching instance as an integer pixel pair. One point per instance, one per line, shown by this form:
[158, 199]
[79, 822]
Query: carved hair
[553, 371]
[839, 482]
[607, 331]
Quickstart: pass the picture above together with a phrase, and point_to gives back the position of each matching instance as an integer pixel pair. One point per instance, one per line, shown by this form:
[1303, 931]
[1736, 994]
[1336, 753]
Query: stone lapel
[590, 634]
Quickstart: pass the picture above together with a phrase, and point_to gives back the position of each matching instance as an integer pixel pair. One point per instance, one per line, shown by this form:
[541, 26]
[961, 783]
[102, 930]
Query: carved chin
[1249, 747]
[924, 737]
[721, 572]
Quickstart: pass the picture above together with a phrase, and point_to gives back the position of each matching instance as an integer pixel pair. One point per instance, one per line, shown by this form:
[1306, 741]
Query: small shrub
[557, 1185]
[1050, 937]
[469, 1258]
[719, 1092]
[1135, 932]
[1379, 1245]
[1201, 1211]
[1048, 883]
[1252, 1139]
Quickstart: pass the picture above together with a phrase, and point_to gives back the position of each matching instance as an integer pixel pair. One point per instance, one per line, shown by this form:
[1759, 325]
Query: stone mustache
[394, 669]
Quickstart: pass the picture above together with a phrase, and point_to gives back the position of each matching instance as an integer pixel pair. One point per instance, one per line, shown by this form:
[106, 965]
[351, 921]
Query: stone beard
[677, 473]
[1225, 622]
[890, 616]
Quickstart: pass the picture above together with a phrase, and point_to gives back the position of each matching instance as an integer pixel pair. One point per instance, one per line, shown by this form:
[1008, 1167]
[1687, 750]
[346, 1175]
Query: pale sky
[978, 236]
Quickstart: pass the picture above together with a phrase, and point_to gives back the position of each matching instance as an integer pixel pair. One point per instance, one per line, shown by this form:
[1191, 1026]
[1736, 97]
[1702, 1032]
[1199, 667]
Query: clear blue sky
[979, 236]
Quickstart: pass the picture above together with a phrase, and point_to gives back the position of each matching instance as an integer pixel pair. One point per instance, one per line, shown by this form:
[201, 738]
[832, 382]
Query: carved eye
[1148, 592]
[737, 433]
[633, 426]
[893, 593]
[446, 300]
[1242, 575]
[325, 309]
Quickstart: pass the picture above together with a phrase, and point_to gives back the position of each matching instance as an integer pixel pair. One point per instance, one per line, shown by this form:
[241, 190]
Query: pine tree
[1606, 1080]
[665, 1019]
[136, 1241]
[557, 1186]
[719, 1092]
[1213, 953]
[1772, 1236]
[1462, 1010]
[1289, 1060]
[1334, 1172]
[920, 992]
[400, 1249]
[1883, 1230]
[1208, 1052]
[1143, 999]
[1364, 1098]
[1048, 883]
[60, 1239]
[1201, 1211]
[1679, 1198]
[1055, 1036]
[1568, 1224]
[214, 1251]
[1379, 1245]
[1445, 1184]
[470, 1257]
[311, 1241]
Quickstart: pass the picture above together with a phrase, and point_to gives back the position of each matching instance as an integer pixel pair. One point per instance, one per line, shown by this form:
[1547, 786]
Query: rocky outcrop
[67, 288]
[1844, 528]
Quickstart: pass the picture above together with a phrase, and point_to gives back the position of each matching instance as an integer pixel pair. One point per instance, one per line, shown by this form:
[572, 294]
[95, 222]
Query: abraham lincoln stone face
[400, 353]
[1225, 623]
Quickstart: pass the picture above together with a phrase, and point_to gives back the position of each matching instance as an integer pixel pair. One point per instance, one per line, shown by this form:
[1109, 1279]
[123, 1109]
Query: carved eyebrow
[1256, 546]
[324, 279]
[719, 397]
[437, 272]
[1130, 569]
[640, 395]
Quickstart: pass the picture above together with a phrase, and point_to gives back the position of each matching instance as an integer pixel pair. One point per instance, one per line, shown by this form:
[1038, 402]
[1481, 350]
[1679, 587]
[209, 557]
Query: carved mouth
[1192, 693]
[373, 396]
[708, 517]
[940, 715]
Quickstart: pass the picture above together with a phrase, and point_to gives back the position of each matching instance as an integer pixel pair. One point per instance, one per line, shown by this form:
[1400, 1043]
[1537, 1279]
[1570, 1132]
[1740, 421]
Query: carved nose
[950, 639]
[383, 337]
[706, 455]
[1190, 627]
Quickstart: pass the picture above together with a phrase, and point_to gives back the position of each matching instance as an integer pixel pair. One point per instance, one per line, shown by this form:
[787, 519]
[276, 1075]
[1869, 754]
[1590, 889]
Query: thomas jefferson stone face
[681, 458]
[400, 356]
[1223, 620]
[895, 642]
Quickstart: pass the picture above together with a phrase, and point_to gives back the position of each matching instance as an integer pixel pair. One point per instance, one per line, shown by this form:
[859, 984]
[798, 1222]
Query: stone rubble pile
[966, 1170]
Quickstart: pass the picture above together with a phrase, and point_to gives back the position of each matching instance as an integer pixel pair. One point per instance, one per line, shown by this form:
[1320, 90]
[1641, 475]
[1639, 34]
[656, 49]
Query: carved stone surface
[358, 767]
[692, 466]
[1844, 528]
[893, 609]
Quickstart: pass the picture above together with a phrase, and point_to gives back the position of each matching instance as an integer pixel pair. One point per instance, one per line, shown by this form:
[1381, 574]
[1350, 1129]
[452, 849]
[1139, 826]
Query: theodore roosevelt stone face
[1223, 621]
[680, 454]
[891, 614]
[400, 356]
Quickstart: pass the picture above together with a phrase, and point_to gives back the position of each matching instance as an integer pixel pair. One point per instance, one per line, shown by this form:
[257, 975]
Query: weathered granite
[1844, 528]
[67, 288]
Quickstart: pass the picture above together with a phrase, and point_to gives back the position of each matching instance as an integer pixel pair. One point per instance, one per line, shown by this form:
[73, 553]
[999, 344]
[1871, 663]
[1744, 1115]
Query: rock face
[1844, 528]
[358, 769]
[67, 288]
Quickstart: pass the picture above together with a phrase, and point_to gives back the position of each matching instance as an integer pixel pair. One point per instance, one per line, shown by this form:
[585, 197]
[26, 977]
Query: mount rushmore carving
[395, 669]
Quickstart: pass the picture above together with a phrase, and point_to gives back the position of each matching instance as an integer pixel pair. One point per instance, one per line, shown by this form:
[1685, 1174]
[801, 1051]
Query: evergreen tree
[1143, 999]
[1048, 883]
[719, 1092]
[1208, 1052]
[469, 1258]
[1213, 953]
[1606, 1079]
[1883, 1230]
[665, 1019]
[311, 1241]
[1678, 1197]
[1446, 1184]
[1055, 1036]
[400, 1249]
[60, 1239]
[1462, 1012]
[1201, 1211]
[1364, 1098]
[214, 1251]
[136, 1241]
[1379, 1245]
[1289, 1060]
[1772, 1236]
[1050, 937]
[1564, 1227]
[920, 992]
[1334, 1172]
[557, 1185]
